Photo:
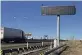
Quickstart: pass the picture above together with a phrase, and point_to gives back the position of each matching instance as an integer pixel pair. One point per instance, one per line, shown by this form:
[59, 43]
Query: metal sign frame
[58, 10]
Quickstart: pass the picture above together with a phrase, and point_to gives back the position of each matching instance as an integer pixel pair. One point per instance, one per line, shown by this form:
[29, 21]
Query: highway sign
[28, 34]
[58, 10]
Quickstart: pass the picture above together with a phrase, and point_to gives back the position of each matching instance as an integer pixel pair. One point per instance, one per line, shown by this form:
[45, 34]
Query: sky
[26, 15]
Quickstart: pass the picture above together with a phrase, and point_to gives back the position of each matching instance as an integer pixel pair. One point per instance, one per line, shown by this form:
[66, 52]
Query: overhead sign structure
[58, 10]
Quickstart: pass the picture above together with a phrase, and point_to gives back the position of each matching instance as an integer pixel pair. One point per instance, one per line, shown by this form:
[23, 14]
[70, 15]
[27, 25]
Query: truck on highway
[11, 35]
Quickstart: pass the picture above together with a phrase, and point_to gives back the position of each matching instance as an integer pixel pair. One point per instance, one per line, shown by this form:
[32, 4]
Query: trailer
[11, 34]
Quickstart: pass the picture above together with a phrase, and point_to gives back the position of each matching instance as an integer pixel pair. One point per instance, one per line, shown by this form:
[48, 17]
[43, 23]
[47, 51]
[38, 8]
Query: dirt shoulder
[75, 48]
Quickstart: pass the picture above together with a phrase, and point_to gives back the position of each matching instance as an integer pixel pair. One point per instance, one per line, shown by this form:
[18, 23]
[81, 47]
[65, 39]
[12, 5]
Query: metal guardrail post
[42, 43]
[27, 45]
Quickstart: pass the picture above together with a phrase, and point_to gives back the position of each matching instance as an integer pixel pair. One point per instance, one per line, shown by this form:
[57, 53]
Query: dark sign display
[58, 10]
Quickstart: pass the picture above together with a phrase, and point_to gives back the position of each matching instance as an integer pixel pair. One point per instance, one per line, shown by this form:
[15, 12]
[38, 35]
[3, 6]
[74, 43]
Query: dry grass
[75, 48]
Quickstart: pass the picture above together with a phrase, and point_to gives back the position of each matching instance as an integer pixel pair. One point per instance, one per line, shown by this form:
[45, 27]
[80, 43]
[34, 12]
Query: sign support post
[58, 30]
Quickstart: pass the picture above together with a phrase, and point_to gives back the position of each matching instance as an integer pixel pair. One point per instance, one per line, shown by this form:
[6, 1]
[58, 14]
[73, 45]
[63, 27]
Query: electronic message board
[58, 10]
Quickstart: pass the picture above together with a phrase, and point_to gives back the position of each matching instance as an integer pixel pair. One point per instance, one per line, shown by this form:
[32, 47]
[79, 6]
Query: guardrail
[54, 49]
